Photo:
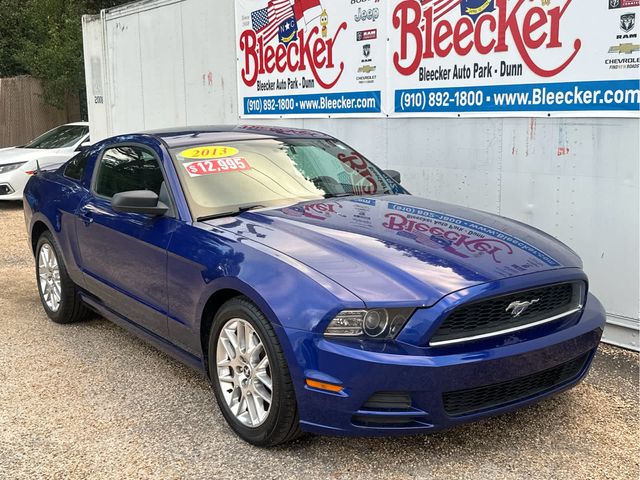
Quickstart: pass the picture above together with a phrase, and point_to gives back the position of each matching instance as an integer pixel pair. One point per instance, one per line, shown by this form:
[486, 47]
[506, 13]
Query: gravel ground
[92, 401]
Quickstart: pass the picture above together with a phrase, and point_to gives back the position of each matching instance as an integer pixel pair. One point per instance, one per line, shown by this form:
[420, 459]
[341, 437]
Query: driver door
[124, 255]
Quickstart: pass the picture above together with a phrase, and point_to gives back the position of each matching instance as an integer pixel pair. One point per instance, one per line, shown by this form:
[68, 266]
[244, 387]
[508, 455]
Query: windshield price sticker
[209, 152]
[213, 166]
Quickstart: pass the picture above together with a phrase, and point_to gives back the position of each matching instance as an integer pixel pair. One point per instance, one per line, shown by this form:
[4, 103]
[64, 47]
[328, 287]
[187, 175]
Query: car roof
[186, 136]
[82, 124]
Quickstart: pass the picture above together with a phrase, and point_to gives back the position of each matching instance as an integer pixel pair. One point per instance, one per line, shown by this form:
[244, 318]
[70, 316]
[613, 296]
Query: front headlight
[10, 167]
[378, 323]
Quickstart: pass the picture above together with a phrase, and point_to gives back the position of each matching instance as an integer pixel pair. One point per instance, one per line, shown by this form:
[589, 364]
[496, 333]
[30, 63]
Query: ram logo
[627, 22]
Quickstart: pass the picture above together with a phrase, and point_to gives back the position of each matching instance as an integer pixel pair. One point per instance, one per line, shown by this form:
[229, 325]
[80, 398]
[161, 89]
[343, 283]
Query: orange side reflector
[323, 386]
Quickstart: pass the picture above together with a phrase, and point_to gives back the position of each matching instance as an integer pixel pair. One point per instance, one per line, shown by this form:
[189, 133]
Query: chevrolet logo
[367, 69]
[627, 48]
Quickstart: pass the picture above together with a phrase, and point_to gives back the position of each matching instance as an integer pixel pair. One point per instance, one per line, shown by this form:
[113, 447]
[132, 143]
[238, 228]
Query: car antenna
[37, 166]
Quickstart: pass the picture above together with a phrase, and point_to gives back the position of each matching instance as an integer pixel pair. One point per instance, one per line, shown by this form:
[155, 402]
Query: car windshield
[60, 137]
[229, 176]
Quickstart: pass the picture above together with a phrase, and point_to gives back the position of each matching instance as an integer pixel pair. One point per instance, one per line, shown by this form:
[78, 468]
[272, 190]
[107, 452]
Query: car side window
[127, 168]
[75, 167]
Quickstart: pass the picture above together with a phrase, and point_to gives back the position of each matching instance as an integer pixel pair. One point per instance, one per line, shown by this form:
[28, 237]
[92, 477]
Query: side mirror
[139, 201]
[395, 175]
[83, 146]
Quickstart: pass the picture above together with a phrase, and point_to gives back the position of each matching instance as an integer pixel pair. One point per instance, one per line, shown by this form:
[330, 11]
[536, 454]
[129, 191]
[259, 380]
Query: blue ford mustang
[314, 292]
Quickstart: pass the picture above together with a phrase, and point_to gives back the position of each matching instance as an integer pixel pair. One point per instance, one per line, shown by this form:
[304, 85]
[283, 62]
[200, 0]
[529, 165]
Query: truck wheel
[250, 376]
[58, 294]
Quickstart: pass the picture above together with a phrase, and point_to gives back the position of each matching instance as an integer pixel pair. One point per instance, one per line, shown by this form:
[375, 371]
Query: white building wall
[173, 63]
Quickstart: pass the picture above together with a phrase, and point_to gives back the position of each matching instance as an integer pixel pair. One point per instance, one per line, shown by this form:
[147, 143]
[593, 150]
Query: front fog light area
[378, 323]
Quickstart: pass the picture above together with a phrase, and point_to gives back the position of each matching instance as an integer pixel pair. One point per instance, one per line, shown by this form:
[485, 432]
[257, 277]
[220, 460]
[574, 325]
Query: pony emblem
[517, 308]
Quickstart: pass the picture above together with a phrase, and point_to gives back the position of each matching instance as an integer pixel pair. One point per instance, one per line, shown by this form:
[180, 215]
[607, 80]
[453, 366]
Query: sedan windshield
[60, 137]
[231, 176]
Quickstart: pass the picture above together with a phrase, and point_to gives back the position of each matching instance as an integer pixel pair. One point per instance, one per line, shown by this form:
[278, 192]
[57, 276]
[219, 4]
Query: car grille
[464, 402]
[492, 317]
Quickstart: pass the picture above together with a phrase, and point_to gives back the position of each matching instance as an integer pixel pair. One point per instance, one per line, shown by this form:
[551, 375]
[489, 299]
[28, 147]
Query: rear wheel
[58, 293]
[250, 376]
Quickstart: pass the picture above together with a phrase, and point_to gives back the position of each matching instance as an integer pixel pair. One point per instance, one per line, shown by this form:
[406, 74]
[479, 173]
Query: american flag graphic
[259, 19]
[267, 20]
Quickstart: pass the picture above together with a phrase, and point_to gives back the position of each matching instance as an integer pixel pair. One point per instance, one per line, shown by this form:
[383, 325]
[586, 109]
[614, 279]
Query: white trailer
[163, 63]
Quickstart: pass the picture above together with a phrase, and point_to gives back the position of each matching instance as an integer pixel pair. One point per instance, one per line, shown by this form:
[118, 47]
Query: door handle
[86, 216]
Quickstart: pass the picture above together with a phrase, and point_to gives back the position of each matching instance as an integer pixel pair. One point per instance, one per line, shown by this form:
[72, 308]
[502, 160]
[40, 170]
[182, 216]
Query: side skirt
[150, 337]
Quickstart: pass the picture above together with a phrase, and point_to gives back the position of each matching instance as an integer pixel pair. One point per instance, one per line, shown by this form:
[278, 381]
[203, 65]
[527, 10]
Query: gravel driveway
[92, 401]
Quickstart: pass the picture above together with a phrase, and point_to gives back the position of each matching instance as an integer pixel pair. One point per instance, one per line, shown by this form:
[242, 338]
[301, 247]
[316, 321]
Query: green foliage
[43, 38]
[12, 33]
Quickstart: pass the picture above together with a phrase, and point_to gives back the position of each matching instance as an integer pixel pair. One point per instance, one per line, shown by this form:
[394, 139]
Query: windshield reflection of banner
[266, 21]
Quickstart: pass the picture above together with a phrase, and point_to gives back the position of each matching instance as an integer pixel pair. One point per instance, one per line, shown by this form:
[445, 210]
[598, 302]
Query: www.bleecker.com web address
[332, 103]
[620, 96]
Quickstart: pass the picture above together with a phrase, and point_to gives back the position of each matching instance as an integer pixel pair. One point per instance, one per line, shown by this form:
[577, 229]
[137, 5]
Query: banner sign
[512, 56]
[438, 57]
[306, 57]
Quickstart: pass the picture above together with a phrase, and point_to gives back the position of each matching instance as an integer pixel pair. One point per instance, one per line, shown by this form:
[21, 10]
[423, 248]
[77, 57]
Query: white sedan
[17, 164]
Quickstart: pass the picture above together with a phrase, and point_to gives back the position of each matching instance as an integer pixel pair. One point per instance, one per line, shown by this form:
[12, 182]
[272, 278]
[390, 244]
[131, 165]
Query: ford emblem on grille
[517, 308]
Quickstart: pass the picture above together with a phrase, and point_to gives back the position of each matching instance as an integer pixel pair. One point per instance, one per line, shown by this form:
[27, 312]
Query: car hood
[14, 154]
[402, 249]
[45, 157]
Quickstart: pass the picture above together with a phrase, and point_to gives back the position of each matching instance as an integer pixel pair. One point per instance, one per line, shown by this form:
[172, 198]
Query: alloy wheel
[49, 277]
[244, 374]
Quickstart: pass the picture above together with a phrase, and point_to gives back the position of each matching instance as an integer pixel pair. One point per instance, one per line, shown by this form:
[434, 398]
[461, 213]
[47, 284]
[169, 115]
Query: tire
[68, 308]
[280, 422]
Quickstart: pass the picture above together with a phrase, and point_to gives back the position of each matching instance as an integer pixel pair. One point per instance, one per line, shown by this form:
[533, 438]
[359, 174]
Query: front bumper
[428, 377]
[12, 184]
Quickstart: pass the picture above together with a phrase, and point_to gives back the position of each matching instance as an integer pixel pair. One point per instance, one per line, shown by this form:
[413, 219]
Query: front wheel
[250, 376]
[58, 293]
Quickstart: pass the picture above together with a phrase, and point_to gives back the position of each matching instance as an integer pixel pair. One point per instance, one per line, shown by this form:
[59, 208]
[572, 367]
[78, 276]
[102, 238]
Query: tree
[12, 33]
[44, 39]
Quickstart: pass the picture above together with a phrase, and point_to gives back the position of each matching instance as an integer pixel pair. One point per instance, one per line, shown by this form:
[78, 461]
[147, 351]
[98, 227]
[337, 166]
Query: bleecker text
[310, 50]
[423, 35]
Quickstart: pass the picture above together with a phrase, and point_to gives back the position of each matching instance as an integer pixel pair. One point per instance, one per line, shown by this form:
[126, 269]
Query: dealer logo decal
[627, 22]
[484, 26]
[298, 49]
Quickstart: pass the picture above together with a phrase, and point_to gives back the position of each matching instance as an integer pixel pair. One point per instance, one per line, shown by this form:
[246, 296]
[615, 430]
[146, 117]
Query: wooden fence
[23, 113]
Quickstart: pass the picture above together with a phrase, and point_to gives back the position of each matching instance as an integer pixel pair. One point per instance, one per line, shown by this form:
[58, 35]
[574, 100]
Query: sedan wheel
[244, 375]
